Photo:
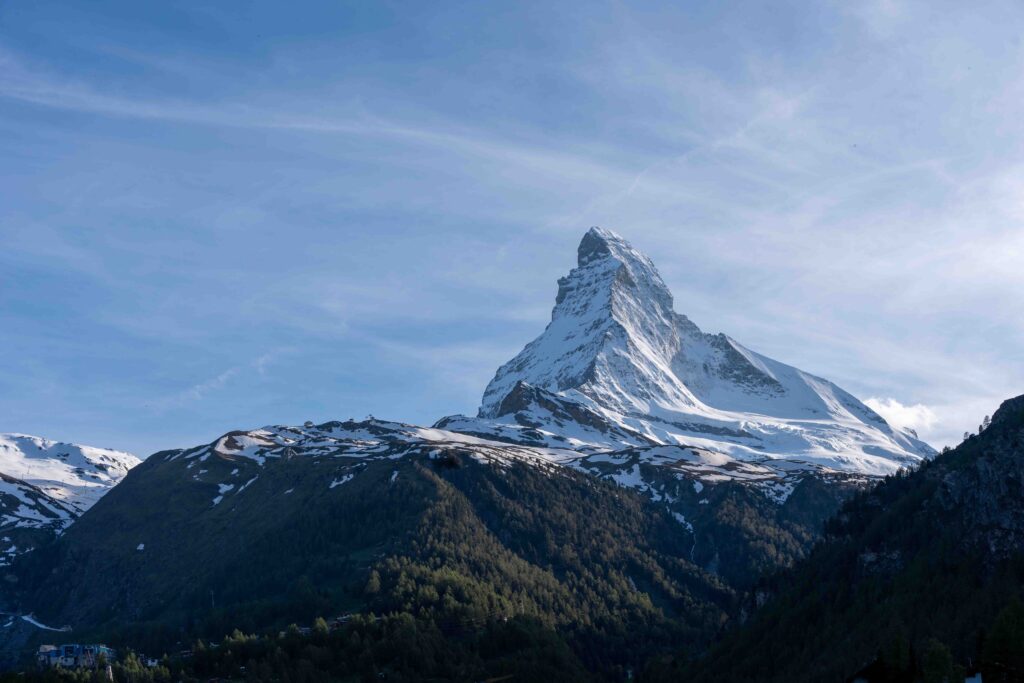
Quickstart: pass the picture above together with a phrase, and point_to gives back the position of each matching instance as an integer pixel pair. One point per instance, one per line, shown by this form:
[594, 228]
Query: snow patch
[32, 620]
[223, 489]
[339, 482]
[682, 520]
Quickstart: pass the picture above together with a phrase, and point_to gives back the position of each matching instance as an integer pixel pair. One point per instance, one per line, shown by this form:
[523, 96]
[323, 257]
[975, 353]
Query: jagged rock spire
[616, 346]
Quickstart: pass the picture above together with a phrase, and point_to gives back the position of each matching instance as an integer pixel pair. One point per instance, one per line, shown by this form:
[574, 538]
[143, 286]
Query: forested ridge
[919, 578]
[610, 576]
[592, 566]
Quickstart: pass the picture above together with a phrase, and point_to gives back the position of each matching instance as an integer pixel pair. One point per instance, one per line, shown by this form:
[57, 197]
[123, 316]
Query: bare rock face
[986, 493]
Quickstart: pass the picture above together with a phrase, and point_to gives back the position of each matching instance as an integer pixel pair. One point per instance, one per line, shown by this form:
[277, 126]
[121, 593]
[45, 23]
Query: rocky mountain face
[919, 578]
[618, 367]
[45, 485]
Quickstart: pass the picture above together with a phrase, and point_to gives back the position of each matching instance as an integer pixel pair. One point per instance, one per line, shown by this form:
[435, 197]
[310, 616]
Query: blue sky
[222, 217]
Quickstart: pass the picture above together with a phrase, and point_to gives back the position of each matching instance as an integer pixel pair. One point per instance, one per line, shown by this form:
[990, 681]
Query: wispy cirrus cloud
[200, 391]
[19, 81]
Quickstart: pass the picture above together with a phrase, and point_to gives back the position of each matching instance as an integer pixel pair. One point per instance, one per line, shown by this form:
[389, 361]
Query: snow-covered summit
[616, 347]
[45, 485]
[75, 475]
[613, 300]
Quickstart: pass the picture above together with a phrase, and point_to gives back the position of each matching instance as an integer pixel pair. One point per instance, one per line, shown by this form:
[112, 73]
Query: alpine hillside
[261, 528]
[920, 578]
[45, 485]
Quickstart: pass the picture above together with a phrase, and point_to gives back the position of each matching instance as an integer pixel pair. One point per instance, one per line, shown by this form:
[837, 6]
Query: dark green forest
[919, 578]
[574, 561]
[391, 648]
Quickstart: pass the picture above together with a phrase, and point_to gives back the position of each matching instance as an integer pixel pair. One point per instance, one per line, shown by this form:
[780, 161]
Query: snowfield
[45, 485]
[75, 475]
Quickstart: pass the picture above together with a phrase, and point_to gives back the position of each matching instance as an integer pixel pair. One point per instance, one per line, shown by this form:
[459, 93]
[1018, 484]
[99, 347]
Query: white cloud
[918, 417]
[200, 390]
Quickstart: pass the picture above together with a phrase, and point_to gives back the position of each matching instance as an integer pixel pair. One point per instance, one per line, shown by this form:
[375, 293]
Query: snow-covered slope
[231, 464]
[537, 417]
[45, 485]
[75, 475]
[352, 443]
[640, 373]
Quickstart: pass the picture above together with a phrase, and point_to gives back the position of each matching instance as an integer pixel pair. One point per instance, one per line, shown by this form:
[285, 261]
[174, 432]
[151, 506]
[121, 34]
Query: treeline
[393, 648]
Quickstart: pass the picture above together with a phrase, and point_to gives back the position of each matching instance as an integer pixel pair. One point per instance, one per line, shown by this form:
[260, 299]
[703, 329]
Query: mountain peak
[1012, 409]
[73, 473]
[616, 346]
[613, 298]
[600, 243]
[45, 485]
[608, 268]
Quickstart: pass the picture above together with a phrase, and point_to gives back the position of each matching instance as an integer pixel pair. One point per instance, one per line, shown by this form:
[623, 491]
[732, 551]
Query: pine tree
[937, 664]
[1003, 656]
[373, 584]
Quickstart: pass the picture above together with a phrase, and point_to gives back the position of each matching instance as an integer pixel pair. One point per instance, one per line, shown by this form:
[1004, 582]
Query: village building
[74, 656]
